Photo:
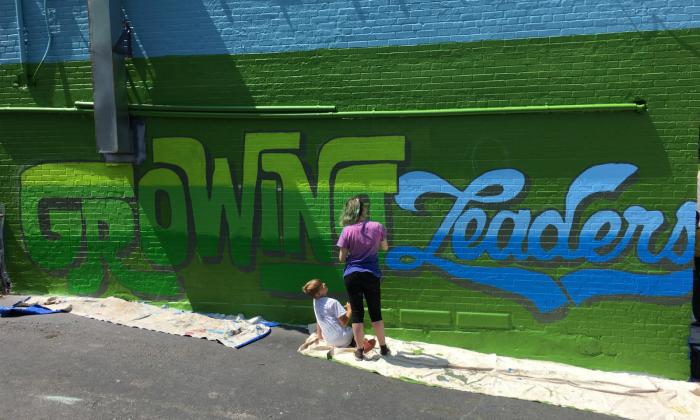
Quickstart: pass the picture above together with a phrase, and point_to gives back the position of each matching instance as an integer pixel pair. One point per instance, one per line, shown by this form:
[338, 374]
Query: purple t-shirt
[362, 239]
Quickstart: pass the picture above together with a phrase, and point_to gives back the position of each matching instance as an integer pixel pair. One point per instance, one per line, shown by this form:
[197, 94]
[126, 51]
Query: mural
[93, 220]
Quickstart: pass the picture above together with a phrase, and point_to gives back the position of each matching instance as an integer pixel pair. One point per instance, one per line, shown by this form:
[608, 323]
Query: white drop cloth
[621, 394]
[231, 331]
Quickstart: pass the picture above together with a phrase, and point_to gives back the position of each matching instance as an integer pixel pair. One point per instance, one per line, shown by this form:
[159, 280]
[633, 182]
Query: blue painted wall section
[175, 27]
[9, 40]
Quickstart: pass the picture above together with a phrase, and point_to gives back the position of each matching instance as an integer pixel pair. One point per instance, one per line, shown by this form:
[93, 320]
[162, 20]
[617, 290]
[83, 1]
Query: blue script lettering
[602, 237]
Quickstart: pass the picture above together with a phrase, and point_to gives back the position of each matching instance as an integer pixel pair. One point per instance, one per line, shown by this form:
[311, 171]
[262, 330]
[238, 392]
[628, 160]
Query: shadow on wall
[50, 86]
[163, 80]
[47, 77]
[177, 80]
[283, 5]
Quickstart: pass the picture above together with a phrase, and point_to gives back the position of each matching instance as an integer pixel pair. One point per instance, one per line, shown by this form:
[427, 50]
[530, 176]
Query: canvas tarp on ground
[621, 394]
[231, 331]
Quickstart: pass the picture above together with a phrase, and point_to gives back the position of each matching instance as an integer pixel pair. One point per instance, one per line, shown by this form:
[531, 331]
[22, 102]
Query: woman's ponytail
[352, 212]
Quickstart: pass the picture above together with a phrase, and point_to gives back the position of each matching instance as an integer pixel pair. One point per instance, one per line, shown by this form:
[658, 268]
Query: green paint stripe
[483, 320]
[289, 278]
[426, 318]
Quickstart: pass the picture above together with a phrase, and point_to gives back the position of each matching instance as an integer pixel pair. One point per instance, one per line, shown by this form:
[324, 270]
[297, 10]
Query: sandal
[369, 345]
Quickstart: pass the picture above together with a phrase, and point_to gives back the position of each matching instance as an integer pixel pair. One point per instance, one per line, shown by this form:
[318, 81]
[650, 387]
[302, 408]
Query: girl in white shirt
[331, 317]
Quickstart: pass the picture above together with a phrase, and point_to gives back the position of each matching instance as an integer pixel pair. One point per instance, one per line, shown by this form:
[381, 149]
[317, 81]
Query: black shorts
[362, 285]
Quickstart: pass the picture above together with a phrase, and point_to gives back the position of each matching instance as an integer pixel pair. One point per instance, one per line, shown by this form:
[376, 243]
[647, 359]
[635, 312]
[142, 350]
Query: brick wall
[78, 226]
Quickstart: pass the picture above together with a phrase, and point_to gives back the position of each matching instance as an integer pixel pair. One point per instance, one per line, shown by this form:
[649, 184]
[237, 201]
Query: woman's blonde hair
[312, 287]
[352, 211]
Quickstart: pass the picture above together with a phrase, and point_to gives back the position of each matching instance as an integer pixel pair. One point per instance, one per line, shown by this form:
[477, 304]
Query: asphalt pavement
[63, 366]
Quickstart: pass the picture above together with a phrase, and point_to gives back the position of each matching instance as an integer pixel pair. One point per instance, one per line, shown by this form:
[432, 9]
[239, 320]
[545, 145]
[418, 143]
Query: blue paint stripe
[175, 27]
[538, 288]
[585, 284]
[541, 290]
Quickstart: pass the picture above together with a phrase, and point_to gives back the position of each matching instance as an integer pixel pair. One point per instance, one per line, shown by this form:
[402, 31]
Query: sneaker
[369, 345]
[359, 356]
[384, 350]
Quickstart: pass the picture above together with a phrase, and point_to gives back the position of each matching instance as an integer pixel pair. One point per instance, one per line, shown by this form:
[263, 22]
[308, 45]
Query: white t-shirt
[327, 311]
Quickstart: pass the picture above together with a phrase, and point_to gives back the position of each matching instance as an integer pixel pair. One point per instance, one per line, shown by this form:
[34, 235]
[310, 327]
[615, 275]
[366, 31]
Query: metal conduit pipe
[21, 37]
[49, 40]
[235, 113]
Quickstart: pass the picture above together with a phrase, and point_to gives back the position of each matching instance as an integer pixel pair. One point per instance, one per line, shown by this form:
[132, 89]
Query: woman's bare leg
[379, 331]
[358, 330]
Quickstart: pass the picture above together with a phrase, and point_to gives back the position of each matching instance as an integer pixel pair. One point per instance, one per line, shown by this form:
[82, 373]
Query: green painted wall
[234, 215]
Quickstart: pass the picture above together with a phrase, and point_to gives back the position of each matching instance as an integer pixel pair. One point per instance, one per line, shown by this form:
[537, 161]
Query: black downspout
[5, 284]
[117, 136]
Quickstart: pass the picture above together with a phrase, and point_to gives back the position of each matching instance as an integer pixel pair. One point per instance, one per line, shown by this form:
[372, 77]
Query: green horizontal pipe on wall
[176, 111]
[42, 110]
[223, 109]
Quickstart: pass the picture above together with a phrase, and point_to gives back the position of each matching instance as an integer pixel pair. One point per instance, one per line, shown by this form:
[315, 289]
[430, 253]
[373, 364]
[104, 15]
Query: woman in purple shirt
[359, 243]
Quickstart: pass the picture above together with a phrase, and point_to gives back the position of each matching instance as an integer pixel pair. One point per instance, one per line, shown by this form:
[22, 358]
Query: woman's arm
[343, 254]
[319, 335]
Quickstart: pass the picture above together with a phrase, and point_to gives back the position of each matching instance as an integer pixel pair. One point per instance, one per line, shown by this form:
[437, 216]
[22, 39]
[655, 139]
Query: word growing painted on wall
[90, 221]
[600, 239]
